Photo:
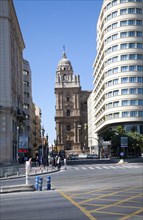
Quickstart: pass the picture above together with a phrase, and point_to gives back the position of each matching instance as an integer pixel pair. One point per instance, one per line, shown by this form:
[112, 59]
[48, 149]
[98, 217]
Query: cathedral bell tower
[68, 119]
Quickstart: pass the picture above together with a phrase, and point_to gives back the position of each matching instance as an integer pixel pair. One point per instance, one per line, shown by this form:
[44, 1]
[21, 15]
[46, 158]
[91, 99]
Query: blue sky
[46, 26]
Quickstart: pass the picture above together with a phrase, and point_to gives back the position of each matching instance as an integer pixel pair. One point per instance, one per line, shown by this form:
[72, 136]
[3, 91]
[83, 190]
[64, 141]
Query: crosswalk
[106, 167]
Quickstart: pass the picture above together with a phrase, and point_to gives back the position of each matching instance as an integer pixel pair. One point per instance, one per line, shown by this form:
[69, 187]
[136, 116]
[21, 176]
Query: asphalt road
[97, 191]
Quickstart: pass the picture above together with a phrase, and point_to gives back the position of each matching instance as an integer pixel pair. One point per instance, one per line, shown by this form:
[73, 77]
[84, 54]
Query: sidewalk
[34, 171]
[25, 187]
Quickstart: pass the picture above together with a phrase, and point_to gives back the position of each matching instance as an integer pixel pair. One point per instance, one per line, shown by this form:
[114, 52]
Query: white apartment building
[118, 67]
[11, 82]
[92, 137]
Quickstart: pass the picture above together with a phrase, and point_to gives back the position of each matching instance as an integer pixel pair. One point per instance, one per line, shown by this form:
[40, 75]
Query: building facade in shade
[27, 133]
[118, 67]
[71, 109]
[37, 129]
[11, 82]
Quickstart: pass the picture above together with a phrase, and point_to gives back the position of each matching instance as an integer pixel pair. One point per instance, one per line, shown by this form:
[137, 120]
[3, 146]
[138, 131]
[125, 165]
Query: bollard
[40, 183]
[65, 163]
[37, 183]
[48, 183]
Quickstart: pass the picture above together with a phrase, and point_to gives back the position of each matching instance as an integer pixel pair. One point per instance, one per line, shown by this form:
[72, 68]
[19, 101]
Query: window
[139, 22]
[131, 33]
[114, 25]
[109, 28]
[109, 17]
[110, 83]
[26, 95]
[124, 80]
[25, 72]
[109, 5]
[123, 11]
[132, 91]
[140, 79]
[124, 57]
[115, 104]
[140, 113]
[115, 59]
[140, 102]
[26, 106]
[68, 112]
[114, 48]
[115, 81]
[125, 114]
[124, 91]
[133, 113]
[132, 68]
[114, 37]
[133, 102]
[132, 79]
[110, 94]
[114, 14]
[116, 115]
[132, 45]
[110, 105]
[132, 57]
[140, 68]
[139, 34]
[124, 46]
[131, 22]
[123, 23]
[123, 34]
[139, 45]
[68, 127]
[114, 2]
[26, 83]
[125, 102]
[138, 10]
[115, 93]
[124, 68]
[131, 11]
[115, 70]
[68, 98]
[139, 57]
[140, 90]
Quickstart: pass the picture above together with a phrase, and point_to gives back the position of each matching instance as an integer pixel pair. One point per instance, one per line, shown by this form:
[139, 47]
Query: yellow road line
[114, 204]
[132, 214]
[77, 205]
[102, 196]
[88, 192]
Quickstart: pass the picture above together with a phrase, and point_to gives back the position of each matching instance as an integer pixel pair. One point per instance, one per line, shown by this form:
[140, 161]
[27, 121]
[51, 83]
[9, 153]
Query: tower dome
[64, 63]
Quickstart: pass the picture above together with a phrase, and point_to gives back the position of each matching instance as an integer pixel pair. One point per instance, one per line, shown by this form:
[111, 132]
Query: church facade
[71, 110]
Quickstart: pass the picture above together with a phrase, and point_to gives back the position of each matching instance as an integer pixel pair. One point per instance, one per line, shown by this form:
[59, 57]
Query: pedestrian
[58, 163]
[37, 162]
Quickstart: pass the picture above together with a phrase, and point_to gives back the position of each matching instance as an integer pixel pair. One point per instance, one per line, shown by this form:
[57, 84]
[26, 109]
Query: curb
[17, 188]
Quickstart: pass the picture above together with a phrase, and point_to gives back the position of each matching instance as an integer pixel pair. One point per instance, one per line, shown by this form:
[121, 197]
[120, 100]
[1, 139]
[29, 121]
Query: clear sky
[46, 26]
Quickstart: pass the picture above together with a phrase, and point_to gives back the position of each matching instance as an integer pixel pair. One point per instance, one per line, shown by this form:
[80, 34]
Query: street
[97, 191]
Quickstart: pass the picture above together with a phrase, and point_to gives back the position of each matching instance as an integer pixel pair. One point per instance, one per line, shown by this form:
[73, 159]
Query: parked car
[92, 156]
[73, 157]
[82, 156]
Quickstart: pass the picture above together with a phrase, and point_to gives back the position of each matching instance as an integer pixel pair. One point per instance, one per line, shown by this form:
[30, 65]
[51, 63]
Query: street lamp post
[43, 131]
[47, 151]
[17, 144]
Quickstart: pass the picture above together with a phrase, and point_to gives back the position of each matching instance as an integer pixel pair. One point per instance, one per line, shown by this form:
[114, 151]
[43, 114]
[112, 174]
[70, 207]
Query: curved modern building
[118, 67]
